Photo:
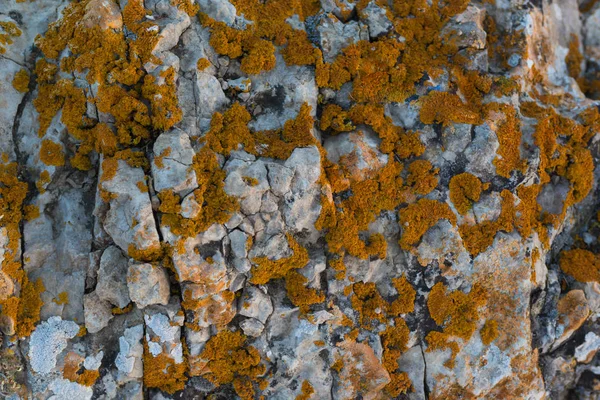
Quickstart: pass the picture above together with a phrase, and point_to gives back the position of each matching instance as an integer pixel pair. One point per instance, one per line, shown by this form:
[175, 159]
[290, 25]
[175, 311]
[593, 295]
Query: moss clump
[477, 238]
[369, 197]
[445, 108]
[162, 372]
[21, 81]
[465, 190]
[202, 64]
[62, 298]
[265, 269]
[509, 140]
[405, 303]
[583, 265]
[307, 391]
[394, 340]
[489, 332]
[230, 360]
[8, 31]
[300, 295]
[368, 303]
[30, 304]
[456, 312]
[51, 153]
[422, 177]
[417, 218]
[574, 57]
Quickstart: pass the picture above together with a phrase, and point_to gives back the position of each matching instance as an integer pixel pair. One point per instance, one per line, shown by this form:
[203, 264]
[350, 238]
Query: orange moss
[265, 269]
[445, 108]
[574, 57]
[509, 140]
[369, 197]
[335, 118]
[62, 298]
[417, 218]
[368, 303]
[163, 373]
[465, 190]
[202, 64]
[21, 81]
[187, 6]
[31, 212]
[441, 341]
[142, 186]
[489, 332]
[124, 310]
[422, 177]
[477, 238]
[300, 295]
[30, 304]
[231, 360]
[405, 303]
[307, 391]
[51, 153]
[457, 312]
[8, 30]
[169, 202]
[583, 265]
[43, 181]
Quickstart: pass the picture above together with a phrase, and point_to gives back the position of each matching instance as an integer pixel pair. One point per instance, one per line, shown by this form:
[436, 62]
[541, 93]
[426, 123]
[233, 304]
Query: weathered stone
[171, 167]
[112, 278]
[148, 284]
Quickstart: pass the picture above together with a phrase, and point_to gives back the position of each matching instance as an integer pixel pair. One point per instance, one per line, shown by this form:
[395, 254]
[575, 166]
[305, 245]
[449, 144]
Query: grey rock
[112, 278]
[175, 172]
[377, 20]
[98, 312]
[255, 304]
[252, 327]
[148, 284]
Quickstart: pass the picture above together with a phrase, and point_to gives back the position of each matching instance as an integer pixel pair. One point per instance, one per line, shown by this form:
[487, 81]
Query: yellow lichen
[583, 265]
[489, 332]
[417, 218]
[30, 304]
[51, 153]
[231, 360]
[307, 391]
[162, 372]
[465, 190]
[265, 269]
[21, 81]
[62, 298]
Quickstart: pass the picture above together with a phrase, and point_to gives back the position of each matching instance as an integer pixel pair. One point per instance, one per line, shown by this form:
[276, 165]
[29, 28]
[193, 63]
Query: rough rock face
[332, 199]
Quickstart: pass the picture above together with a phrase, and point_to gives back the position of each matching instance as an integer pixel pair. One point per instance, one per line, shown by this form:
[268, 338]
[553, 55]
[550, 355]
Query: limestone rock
[148, 284]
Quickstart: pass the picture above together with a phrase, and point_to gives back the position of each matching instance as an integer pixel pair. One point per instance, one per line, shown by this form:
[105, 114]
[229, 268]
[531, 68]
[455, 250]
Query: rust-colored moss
[477, 238]
[51, 153]
[8, 31]
[465, 190]
[21, 81]
[457, 312]
[265, 269]
[231, 360]
[422, 177]
[405, 303]
[202, 64]
[31, 212]
[335, 118]
[369, 197]
[300, 295]
[368, 303]
[574, 57]
[187, 6]
[30, 304]
[583, 265]
[307, 391]
[441, 341]
[509, 140]
[162, 372]
[489, 332]
[417, 218]
[444, 108]
[62, 298]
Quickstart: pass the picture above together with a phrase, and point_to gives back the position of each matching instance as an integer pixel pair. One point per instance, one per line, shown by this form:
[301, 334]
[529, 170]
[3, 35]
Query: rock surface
[283, 199]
